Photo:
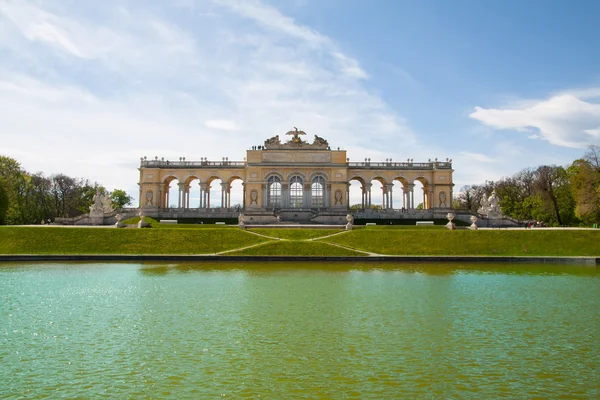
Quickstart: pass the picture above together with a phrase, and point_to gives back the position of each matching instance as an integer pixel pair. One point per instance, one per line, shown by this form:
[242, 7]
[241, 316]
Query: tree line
[27, 198]
[559, 196]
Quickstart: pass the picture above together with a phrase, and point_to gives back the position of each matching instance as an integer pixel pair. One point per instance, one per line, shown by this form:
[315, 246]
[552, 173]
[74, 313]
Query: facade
[296, 179]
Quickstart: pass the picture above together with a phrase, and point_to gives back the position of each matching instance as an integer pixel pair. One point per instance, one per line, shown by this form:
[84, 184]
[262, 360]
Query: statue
[450, 225]
[491, 206]
[295, 136]
[473, 226]
[101, 204]
[241, 221]
[350, 220]
[272, 141]
[142, 223]
[443, 200]
[319, 141]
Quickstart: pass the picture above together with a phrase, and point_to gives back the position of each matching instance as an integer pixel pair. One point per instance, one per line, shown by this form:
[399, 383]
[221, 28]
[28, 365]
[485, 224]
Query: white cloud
[477, 157]
[92, 92]
[563, 119]
[221, 124]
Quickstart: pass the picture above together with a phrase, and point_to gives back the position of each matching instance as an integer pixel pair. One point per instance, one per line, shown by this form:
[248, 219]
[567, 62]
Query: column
[307, 196]
[187, 196]
[244, 194]
[390, 196]
[412, 196]
[223, 195]
[181, 195]
[202, 190]
[369, 185]
[285, 195]
[168, 191]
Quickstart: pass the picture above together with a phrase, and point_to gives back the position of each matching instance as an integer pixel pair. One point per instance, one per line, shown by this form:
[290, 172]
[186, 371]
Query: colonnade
[184, 191]
[408, 196]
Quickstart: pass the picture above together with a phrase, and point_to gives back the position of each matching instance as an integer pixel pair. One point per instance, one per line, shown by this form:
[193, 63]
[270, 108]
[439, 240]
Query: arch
[274, 191]
[191, 178]
[319, 173]
[399, 192]
[317, 192]
[357, 193]
[295, 173]
[296, 191]
[422, 187]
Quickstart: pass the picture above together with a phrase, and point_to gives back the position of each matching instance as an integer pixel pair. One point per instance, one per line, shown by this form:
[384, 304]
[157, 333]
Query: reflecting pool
[297, 330]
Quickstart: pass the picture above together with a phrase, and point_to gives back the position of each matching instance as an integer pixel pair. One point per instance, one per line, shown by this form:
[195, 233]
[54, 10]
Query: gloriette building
[294, 180]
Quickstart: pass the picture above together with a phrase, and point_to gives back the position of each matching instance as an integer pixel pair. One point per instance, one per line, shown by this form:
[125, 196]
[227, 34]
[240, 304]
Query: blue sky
[86, 88]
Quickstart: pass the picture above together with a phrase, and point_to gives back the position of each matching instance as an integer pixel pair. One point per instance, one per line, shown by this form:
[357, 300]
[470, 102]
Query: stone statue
[295, 136]
[241, 220]
[450, 225]
[350, 220]
[491, 206]
[272, 141]
[142, 223]
[101, 204]
[473, 226]
[319, 141]
[443, 200]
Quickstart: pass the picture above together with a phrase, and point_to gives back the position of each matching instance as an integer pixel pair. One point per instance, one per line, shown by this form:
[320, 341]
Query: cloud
[221, 124]
[563, 120]
[477, 157]
[88, 91]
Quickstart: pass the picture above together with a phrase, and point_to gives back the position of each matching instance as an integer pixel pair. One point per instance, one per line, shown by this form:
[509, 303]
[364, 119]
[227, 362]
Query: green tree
[120, 198]
[3, 202]
[584, 175]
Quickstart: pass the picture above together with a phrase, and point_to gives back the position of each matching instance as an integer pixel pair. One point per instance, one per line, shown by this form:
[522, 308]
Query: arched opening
[274, 192]
[400, 192]
[317, 192]
[236, 193]
[192, 192]
[171, 193]
[214, 193]
[358, 196]
[419, 195]
[296, 192]
[378, 194]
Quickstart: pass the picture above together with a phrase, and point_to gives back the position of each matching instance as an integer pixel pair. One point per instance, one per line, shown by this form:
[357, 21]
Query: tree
[584, 175]
[120, 198]
[3, 202]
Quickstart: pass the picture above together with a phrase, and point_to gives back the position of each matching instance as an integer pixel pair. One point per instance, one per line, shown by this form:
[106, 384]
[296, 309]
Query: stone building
[293, 180]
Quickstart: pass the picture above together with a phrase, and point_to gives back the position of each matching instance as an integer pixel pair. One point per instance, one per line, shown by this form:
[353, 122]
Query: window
[274, 192]
[296, 192]
[317, 190]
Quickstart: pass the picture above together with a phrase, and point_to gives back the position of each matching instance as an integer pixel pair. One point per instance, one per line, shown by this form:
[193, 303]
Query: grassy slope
[295, 234]
[439, 241]
[295, 248]
[383, 240]
[56, 240]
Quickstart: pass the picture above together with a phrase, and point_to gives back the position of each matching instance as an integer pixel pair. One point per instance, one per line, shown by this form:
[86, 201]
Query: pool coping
[585, 260]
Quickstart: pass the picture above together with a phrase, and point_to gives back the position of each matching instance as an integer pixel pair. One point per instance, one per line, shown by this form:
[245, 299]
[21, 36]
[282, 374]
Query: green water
[296, 331]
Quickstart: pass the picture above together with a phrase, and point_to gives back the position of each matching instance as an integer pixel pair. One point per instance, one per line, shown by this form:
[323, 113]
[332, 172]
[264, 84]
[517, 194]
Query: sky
[89, 87]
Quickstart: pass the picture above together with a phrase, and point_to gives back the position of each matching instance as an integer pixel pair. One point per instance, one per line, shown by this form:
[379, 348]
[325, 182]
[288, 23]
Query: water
[299, 331]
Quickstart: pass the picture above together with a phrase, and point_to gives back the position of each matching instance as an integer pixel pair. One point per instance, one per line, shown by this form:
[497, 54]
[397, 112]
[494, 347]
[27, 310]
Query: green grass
[59, 240]
[295, 234]
[211, 239]
[440, 241]
[295, 248]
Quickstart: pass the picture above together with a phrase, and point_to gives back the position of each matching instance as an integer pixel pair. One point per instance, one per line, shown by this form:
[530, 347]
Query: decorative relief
[338, 197]
[296, 141]
[443, 200]
[443, 178]
[253, 197]
[338, 175]
[149, 176]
